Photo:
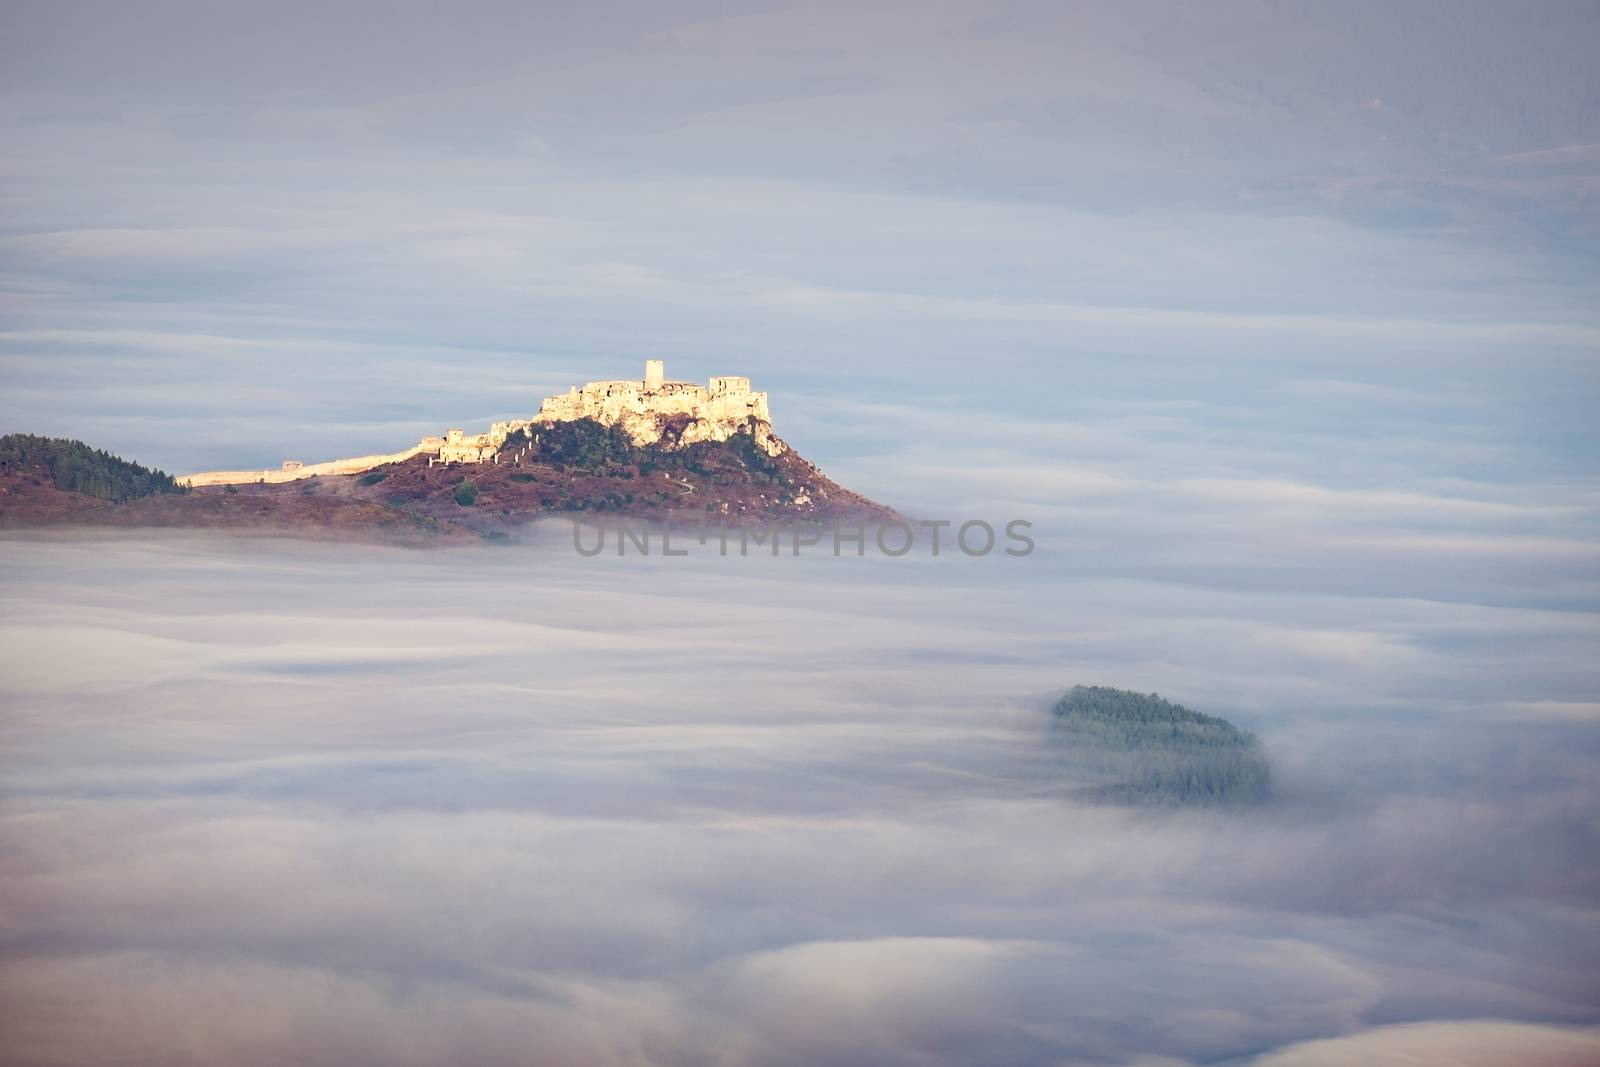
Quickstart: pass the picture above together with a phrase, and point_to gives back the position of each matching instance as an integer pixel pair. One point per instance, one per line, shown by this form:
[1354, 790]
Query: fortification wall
[353, 465]
[640, 407]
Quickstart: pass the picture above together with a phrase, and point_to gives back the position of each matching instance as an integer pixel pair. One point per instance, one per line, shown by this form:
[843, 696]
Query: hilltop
[1146, 750]
[649, 412]
[583, 466]
[57, 482]
[648, 448]
[73, 467]
[572, 467]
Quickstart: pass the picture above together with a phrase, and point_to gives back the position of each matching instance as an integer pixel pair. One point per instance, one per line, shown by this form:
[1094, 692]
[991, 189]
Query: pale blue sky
[1349, 247]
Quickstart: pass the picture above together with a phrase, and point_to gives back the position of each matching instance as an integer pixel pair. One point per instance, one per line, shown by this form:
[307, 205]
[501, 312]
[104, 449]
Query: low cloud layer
[271, 801]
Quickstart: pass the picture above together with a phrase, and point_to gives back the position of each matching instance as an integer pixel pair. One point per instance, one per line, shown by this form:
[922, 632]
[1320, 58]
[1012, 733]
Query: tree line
[77, 468]
[1143, 749]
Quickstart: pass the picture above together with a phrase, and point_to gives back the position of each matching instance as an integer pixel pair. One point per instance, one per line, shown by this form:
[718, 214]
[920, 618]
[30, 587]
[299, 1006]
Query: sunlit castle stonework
[644, 408]
[651, 410]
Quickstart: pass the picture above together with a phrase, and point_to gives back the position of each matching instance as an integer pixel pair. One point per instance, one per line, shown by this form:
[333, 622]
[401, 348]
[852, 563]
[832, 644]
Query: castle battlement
[715, 412]
[643, 407]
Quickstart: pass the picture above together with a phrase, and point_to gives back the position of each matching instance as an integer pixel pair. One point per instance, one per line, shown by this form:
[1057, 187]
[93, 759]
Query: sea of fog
[272, 802]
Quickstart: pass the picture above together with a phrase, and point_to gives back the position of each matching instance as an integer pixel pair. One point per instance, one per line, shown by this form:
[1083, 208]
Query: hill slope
[577, 466]
[74, 467]
[581, 466]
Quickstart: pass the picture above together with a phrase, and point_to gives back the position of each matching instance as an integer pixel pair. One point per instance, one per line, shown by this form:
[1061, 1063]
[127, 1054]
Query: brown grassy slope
[28, 500]
[719, 485]
[412, 502]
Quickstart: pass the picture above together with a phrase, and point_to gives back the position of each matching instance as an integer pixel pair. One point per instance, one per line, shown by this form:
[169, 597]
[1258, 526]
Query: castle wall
[639, 406]
[353, 465]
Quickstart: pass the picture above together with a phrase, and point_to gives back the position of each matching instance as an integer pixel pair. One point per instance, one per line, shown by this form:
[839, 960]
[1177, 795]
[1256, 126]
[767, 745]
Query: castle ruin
[644, 408]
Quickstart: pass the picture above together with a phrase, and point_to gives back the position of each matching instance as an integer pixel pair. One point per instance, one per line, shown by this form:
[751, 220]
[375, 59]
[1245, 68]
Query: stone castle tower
[645, 408]
[714, 413]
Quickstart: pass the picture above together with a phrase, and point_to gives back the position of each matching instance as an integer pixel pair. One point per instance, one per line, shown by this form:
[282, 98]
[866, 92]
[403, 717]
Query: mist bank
[356, 805]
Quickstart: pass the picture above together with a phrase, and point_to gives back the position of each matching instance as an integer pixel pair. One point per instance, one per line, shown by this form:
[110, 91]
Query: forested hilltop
[76, 468]
[1144, 749]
